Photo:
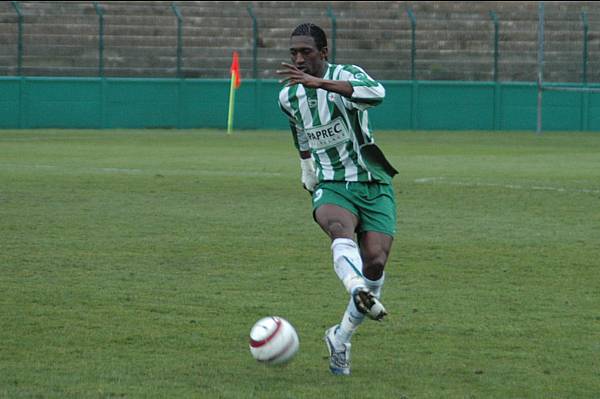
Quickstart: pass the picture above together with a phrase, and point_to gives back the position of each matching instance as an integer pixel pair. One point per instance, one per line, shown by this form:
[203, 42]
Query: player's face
[305, 55]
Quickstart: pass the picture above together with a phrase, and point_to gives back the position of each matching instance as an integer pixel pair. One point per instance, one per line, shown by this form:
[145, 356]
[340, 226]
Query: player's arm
[307, 164]
[292, 75]
[354, 84]
[367, 92]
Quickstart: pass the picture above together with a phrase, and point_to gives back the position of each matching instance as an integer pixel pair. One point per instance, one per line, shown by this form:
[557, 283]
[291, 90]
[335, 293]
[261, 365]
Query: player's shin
[348, 263]
[350, 322]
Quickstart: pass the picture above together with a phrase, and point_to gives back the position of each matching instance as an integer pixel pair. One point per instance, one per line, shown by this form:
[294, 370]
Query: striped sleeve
[367, 91]
[284, 103]
[298, 134]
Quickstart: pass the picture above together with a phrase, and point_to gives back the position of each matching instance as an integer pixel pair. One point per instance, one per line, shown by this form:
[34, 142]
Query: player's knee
[373, 265]
[337, 229]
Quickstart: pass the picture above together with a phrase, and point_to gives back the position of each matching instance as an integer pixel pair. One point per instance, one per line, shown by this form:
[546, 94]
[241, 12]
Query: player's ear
[324, 53]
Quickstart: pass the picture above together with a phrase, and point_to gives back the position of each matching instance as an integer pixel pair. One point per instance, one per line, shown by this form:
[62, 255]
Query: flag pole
[231, 103]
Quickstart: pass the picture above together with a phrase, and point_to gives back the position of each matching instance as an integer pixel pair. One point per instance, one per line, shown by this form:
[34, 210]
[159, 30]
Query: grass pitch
[133, 264]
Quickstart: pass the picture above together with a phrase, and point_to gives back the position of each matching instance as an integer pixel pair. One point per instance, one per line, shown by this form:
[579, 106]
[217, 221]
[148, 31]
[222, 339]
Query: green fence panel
[518, 106]
[246, 116]
[63, 102]
[60, 102]
[267, 103]
[594, 112]
[395, 110]
[141, 103]
[10, 89]
[204, 103]
[562, 110]
[455, 106]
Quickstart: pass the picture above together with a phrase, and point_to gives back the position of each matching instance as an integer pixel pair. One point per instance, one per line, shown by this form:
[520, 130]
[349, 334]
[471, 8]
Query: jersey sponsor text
[328, 135]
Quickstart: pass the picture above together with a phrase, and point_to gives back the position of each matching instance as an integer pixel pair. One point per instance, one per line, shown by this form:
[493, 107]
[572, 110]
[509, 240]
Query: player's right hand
[291, 75]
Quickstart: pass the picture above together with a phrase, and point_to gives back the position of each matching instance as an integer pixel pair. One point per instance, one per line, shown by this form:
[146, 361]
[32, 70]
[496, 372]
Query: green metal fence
[179, 38]
[496, 53]
[254, 43]
[585, 40]
[100, 13]
[19, 37]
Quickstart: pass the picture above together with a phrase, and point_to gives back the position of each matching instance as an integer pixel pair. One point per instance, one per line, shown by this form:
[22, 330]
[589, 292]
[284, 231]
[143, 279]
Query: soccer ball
[273, 340]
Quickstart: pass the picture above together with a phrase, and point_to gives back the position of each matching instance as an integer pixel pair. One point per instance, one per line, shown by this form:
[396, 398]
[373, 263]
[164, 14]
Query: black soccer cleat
[368, 304]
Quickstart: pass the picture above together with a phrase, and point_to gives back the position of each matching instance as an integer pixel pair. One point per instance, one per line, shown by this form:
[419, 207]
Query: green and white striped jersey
[333, 127]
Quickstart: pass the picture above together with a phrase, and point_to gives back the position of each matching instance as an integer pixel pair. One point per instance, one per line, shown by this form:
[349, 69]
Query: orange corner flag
[235, 70]
[236, 81]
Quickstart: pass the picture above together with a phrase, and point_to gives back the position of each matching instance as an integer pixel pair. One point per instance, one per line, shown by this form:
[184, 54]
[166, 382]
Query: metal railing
[584, 62]
[19, 38]
[254, 43]
[413, 42]
[409, 59]
[100, 13]
[494, 18]
[179, 38]
[333, 18]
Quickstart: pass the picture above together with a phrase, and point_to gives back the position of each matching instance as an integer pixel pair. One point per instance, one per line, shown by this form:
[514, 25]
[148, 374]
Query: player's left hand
[309, 174]
[291, 75]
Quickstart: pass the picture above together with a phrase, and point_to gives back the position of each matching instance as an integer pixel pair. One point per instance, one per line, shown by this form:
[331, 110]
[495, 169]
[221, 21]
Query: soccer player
[347, 174]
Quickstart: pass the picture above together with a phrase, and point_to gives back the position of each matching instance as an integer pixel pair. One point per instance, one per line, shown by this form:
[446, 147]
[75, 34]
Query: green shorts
[373, 203]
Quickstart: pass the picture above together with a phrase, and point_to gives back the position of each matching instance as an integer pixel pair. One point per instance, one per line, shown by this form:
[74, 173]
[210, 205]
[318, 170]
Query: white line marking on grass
[443, 180]
[47, 138]
[235, 174]
[167, 172]
[115, 170]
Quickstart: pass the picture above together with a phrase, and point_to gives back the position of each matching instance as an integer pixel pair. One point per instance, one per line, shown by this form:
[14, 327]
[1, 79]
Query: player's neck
[322, 70]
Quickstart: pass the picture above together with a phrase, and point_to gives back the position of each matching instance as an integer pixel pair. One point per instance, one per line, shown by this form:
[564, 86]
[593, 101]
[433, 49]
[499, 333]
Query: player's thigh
[377, 209]
[334, 211]
[336, 221]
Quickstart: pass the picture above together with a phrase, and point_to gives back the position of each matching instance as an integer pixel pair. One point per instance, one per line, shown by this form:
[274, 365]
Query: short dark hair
[313, 30]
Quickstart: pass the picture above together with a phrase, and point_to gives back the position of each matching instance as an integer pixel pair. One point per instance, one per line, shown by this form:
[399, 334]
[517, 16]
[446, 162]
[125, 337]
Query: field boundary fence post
[179, 38]
[540, 62]
[584, 61]
[254, 42]
[20, 18]
[413, 41]
[333, 18]
[100, 14]
[581, 87]
[585, 96]
[494, 18]
[257, 82]
[20, 63]
[496, 115]
[413, 75]
[179, 62]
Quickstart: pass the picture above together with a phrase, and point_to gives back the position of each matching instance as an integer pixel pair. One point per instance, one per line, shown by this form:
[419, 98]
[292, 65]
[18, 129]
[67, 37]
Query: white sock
[350, 321]
[375, 286]
[348, 263]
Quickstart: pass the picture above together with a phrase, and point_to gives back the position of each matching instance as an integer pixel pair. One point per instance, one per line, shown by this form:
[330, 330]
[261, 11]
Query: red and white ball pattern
[273, 340]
